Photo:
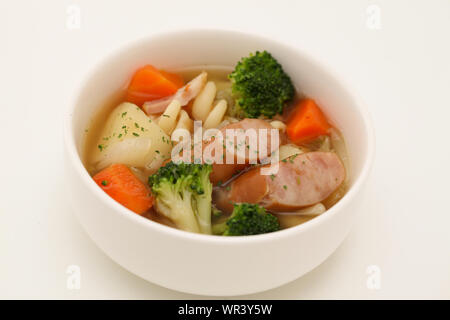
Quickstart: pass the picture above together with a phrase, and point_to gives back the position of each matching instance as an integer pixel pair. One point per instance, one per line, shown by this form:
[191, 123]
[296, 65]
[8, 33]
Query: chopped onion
[183, 95]
[339, 147]
[314, 210]
[288, 150]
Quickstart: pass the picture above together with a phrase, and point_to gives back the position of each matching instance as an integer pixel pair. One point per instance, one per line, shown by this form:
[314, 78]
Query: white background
[402, 70]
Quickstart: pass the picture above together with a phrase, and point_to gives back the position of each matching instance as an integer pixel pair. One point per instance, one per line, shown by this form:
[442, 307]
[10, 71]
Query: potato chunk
[130, 137]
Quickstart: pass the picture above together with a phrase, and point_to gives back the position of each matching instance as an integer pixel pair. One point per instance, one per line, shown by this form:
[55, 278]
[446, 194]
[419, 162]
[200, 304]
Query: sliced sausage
[224, 172]
[301, 181]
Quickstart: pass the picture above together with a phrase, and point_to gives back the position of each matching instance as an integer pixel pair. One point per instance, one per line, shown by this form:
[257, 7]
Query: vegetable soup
[218, 150]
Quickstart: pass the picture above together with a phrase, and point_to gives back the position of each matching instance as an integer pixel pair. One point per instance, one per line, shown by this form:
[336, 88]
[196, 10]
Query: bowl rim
[75, 158]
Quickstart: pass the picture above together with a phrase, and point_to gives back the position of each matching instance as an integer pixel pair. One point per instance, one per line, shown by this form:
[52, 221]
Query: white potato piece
[288, 150]
[168, 119]
[131, 138]
[203, 102]
[278, 125]
[185, 122]
[216, 115]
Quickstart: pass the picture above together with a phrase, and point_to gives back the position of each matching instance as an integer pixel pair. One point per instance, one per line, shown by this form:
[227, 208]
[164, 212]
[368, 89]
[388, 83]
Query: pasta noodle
[184, 121]
[203, 102]
[216, 115]
[168, 119]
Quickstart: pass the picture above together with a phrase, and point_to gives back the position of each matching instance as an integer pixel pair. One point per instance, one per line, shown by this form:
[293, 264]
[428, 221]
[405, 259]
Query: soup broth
[288, 214]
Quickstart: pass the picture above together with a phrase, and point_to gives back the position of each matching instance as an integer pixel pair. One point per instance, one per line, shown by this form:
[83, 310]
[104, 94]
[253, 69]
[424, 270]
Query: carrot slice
[176, 79]
[307, 122]
[123, 186]
[149, 83]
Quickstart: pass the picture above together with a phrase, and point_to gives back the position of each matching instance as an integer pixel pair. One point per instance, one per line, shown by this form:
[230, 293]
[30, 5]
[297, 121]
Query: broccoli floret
[183, 194]
[247, 219]
[260, 86]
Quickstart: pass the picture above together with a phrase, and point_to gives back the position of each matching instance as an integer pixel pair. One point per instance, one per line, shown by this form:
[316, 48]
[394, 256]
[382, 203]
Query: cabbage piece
[321, 143]
[339, 147]
[288, 150]
[338, 143]
[224, 92]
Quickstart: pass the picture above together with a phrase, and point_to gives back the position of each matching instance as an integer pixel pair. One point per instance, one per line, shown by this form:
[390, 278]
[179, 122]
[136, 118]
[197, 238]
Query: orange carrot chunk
[123, 186]
[307, 122]
[176, 79]
[149, 83]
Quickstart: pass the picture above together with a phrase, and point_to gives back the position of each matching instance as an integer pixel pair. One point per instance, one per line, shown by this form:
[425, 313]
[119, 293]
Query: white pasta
[168, 119]
[278, 125]
[216, 115]
[203, 102]
[184, 122]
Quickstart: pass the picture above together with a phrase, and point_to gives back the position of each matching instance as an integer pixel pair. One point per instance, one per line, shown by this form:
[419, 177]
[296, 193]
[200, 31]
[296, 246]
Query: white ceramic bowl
[201, 264]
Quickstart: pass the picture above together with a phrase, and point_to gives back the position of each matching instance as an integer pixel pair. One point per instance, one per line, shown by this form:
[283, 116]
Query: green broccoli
[183, 194]
[260, 86]
[247, 219]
